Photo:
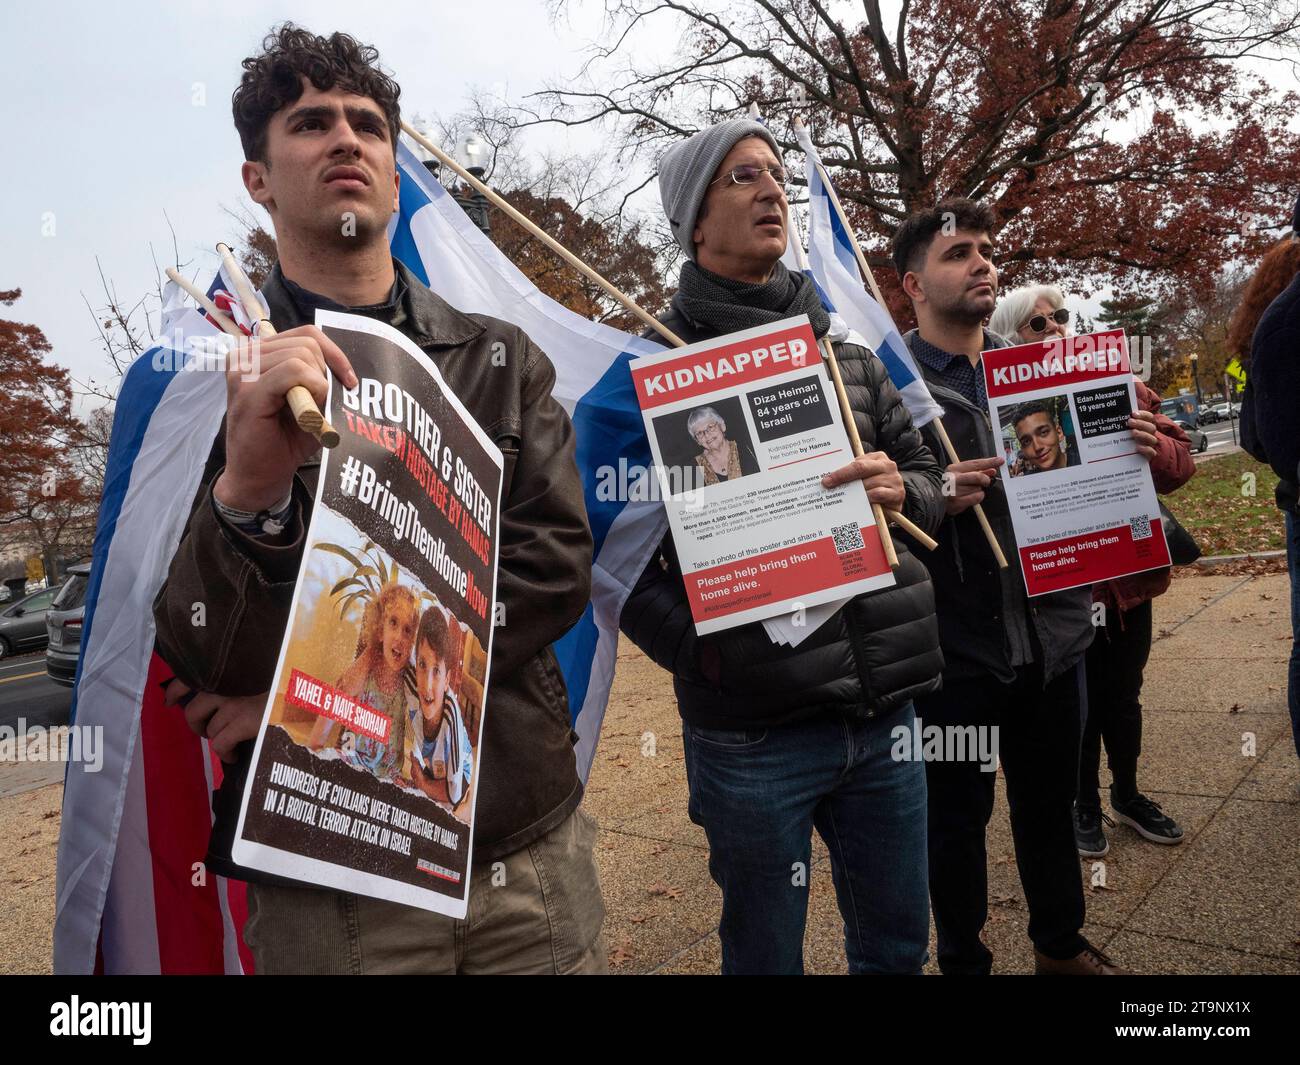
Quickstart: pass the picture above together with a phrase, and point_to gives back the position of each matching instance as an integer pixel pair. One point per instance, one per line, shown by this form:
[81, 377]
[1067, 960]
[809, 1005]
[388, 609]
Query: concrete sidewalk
[1226, 901]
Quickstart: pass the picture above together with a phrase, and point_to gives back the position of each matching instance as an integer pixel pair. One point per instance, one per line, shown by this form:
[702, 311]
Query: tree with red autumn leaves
[1118, 141]
[613, 247]
[40, 494]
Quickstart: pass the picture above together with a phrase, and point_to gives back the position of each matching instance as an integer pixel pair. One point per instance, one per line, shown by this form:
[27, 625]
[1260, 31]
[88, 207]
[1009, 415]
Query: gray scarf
[727, 306]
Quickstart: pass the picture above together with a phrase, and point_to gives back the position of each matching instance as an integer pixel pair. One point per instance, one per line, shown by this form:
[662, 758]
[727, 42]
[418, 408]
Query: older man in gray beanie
[779, 740]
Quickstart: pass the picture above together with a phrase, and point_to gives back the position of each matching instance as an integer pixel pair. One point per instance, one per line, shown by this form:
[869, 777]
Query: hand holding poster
[1082, 501]
[366, 767]
[742, 428]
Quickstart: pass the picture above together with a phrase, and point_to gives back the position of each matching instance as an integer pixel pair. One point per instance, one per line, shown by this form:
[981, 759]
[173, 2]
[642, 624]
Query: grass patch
[1217, 508]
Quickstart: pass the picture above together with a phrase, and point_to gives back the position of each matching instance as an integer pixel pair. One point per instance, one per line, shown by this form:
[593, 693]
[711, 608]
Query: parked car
[63, 622]
[1200, 442]
[22, 624]
[1208, 415]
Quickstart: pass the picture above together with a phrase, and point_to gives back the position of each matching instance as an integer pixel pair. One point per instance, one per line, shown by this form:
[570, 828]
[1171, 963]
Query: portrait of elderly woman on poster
[722, 458]
[1030, 315]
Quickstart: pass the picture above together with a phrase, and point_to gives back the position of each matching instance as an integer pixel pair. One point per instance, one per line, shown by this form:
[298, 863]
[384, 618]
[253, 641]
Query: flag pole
[200, 297]
[559, 249]
[886, 541]
[305, 411]
[522, 220]
[863, 266]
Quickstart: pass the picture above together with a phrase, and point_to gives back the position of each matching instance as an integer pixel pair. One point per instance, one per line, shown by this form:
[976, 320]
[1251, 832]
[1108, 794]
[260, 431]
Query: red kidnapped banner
[1055, 363]
[741, 363]
[1096, 556]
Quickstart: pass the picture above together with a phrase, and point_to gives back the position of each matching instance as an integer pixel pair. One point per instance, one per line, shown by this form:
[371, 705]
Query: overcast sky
[117, 121]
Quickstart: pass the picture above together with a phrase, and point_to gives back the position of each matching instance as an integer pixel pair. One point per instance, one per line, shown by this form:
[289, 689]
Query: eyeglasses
[1038, 323]
[747, 175]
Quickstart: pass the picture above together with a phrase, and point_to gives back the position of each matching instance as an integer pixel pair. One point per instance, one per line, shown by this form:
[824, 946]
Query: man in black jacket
[1010, 664]
[319, 124]
[779, 740]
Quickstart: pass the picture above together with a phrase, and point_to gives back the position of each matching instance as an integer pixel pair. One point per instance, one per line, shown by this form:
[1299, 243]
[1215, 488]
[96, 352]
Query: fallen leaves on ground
[667, 891]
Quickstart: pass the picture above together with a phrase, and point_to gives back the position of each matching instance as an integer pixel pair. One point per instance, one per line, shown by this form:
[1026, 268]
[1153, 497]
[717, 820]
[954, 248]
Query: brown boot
[1088, 962]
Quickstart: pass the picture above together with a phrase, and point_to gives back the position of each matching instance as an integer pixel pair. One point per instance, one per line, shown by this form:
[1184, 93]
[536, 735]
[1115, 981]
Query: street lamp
[473, 154]
[421, 152]
[1196, 383]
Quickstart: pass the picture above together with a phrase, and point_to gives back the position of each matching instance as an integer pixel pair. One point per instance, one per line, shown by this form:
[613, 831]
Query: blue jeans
[1293, 673]
[758, 795]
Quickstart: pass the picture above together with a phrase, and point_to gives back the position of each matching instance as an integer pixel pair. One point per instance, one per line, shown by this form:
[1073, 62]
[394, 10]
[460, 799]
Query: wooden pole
[200, 297]
[867, 275]
[886, 541]
[305, 411]
[846, 410]
[980, 516]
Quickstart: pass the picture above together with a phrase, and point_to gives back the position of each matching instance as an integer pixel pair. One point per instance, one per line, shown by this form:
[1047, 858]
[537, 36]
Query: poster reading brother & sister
[366, 767]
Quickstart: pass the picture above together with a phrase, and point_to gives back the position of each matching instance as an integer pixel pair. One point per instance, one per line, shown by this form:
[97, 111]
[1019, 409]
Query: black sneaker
[1146, 817]
[1088, 834]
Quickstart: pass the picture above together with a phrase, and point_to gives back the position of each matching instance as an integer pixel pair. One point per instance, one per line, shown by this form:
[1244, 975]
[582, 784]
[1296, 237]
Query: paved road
[26, 692]
[1221, 435]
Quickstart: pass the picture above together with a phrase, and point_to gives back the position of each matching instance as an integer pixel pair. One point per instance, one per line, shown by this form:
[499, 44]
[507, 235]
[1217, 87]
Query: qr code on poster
[1140, 527]
[848, 538]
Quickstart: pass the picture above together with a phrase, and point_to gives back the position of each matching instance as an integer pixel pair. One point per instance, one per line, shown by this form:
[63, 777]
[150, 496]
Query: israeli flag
[834, 269]
[437, 241]
[127, 897]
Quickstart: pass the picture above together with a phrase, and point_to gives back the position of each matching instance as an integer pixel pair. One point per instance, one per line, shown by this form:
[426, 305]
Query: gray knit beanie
[686, 169]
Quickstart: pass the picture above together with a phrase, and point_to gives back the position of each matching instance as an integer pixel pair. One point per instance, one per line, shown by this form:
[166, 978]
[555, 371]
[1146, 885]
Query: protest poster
[366, 768]
[1083, 505]
[742, 428]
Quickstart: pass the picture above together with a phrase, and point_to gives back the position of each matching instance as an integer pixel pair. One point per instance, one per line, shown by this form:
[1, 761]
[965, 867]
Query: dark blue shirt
[956, 371]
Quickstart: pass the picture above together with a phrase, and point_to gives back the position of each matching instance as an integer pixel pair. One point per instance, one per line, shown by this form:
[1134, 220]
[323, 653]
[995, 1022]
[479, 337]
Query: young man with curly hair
[319, 122]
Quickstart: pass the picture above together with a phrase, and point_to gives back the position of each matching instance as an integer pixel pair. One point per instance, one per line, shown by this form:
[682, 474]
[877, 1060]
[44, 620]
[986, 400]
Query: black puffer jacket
[881, 650]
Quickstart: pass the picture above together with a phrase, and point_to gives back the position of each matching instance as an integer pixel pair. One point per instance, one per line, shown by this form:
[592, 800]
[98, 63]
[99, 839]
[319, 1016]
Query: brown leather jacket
[530, 781]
